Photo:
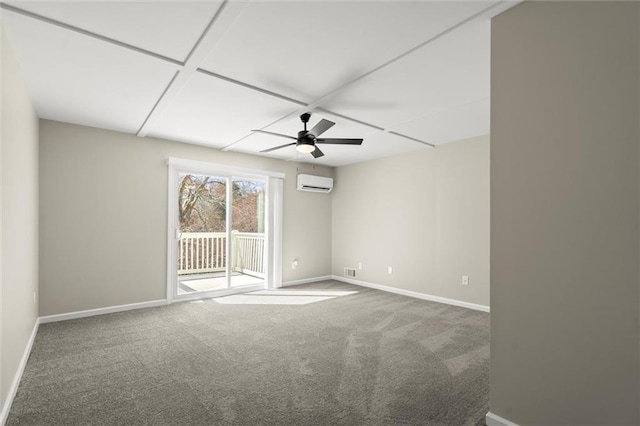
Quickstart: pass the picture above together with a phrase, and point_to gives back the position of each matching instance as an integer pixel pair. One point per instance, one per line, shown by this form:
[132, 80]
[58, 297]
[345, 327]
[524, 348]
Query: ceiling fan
[308, 140]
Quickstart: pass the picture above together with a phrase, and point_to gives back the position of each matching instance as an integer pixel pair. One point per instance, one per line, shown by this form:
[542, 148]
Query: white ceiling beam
[252, 87]
[50, 21]
[410, 138]
[225, 16]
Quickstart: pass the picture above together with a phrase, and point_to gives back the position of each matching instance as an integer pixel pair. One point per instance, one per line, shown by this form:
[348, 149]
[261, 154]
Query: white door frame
[273, 223]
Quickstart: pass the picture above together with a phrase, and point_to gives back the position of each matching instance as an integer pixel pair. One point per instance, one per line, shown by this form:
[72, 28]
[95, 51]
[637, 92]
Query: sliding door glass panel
[202, 233]
[248, 232]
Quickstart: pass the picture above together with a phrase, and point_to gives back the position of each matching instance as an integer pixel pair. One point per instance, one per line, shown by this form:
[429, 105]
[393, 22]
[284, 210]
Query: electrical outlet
[390, 270]
[294, 264]
[360, 265]
[465, 280]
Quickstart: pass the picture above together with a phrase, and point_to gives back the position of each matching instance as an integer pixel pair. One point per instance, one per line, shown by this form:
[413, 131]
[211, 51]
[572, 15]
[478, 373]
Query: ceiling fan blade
[340, 141]
[278, 147]
[321, 127]
[275, 134]
[317, 153]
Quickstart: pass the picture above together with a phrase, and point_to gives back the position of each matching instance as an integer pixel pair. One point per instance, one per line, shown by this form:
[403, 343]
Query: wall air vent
[314, 183]
[350, 272]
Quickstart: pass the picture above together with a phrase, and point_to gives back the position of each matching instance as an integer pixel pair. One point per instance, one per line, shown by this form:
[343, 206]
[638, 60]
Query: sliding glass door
[247, 232]
[220, 236]
[202, 233]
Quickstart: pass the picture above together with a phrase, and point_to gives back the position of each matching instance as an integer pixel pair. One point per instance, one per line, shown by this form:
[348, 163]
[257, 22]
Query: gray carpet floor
[369, 358]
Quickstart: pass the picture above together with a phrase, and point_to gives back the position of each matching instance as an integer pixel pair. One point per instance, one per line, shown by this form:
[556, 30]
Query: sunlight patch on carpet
[282, 297]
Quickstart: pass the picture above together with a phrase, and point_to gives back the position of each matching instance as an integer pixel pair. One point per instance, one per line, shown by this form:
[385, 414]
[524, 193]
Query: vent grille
[350, 272]
[315, 188]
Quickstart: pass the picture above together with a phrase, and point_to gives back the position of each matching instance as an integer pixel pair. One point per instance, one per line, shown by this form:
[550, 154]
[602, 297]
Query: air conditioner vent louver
[350, 272]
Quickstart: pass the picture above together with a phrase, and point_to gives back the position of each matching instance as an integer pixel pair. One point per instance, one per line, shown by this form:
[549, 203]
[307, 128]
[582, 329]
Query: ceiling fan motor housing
[304, 135]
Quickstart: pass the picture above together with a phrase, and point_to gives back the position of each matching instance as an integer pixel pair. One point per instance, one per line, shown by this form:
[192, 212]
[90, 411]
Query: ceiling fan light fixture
[305, 148]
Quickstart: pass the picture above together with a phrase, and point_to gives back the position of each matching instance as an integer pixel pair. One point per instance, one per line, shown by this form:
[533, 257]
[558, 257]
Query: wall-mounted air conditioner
[314, 183]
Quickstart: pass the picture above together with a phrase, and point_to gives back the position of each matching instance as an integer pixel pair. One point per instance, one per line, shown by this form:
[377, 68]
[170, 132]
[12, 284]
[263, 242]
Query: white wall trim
[18, 376]
[274, 230]
[494, 420]
[415, 294]
[101, 311]
[218, 169]
[172, 232]
[307, 280]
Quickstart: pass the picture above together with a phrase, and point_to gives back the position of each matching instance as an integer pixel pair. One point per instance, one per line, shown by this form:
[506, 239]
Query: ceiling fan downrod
[305, 119]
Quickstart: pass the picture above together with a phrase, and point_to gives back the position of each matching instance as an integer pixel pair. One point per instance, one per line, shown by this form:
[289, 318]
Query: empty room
[320, 213]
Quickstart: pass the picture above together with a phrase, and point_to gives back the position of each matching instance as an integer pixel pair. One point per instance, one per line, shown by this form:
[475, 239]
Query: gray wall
[103, 216]
[426, 214]
[564, 213]
[19, 213]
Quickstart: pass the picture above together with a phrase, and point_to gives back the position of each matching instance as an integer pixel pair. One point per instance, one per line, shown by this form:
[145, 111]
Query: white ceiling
[403, 75]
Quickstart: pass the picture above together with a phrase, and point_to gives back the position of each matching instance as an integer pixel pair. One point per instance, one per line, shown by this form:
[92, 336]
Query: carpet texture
[368, 358]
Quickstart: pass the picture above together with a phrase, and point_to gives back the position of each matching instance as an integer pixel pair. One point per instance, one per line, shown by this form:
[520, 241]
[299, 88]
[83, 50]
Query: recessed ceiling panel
[376, 144]
[168, 28]
[451, 71]
[214, 112]
[306, 49]
[454, 124]
[81, 80]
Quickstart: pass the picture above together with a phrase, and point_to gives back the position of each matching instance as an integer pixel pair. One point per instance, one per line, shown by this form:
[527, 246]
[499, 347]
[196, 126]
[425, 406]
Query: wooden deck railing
[248, 253]
[205, 252]
[201, 252]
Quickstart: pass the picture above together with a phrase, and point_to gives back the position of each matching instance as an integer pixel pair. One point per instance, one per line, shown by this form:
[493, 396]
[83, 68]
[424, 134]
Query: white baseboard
[495, 420]
[101, 311]
[18, 376]
[306, 281]
[415, 294]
